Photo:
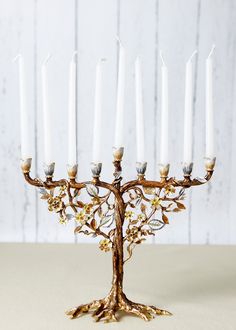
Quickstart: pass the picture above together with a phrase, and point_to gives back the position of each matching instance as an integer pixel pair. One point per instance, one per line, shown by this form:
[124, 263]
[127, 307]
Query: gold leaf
[93, 224]
[143, 208]
[176, 210]
[45, 196]
[77, 229]
[165, 219]
[149, 190]
[180, 205]
[80, 204]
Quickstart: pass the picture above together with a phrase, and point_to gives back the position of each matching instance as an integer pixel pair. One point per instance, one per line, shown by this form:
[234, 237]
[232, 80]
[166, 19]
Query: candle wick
[47, 59]
[193, 54]
[75, 53]
[118, 40]
[16, 58]
[162, 59]
[212, 50]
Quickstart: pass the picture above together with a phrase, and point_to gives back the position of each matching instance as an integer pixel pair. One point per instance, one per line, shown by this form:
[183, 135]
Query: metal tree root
[107, 309]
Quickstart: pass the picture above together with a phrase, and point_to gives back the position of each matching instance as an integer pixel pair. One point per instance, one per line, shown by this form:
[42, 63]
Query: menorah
[121, 214]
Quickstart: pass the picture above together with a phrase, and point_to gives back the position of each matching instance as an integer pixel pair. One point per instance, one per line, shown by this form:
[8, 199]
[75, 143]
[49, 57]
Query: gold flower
[156, 202]
[129, 215]
[133, 234]
[80, 217]
[55, 204]
[96, 200]
[141, 217]
[63, 220]
[105, 245]
[169, 189]
[88, 208]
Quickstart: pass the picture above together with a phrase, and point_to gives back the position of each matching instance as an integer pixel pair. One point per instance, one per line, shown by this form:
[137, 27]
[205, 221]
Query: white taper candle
[97, 128]
[119, 130]
[46, 114]
[164, 149]
[209, 108]
[139, 112]
[72, 126]
[188, 115]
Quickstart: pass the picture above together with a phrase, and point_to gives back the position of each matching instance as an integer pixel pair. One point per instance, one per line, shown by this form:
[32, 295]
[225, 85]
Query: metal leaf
[108, 220]
[143, 208]
[92, 190]
[93, 224]
[80, 204]
[149, 190]
[77, 229]
[180, 205]
[202, 180]
[165, 219]
[70, 216]
[42, 191]
[155, 224]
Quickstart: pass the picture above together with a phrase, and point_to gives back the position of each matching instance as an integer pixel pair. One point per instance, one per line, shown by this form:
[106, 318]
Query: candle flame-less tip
[193, 54]
[75, 53]
[212, 50]
[16, 57]
[118, 40]
[162, 59]
[47, 59]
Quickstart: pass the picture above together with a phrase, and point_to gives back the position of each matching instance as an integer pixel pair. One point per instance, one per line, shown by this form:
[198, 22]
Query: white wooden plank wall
[177, 27]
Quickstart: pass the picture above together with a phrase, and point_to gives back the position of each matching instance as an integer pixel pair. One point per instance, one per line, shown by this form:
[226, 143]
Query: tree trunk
[117, 255]
[107, 308]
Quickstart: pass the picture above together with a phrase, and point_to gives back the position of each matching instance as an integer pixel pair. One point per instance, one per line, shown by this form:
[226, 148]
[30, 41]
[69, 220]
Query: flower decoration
[169, 189]
[129, 215]
[55, 204]
[105, 245]
[81, 217]
[156, 202]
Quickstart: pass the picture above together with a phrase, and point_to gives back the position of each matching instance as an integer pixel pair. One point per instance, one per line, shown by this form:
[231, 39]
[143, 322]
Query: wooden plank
[212, 204]
[18, 217]
[177, 26]
[55, 35]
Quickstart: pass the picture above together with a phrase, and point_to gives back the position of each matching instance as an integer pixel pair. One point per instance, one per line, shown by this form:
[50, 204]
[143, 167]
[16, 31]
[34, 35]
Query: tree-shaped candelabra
[121, 214]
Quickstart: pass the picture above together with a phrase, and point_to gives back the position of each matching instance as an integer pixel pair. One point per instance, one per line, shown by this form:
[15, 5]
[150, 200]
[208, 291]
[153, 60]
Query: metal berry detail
[122, 215]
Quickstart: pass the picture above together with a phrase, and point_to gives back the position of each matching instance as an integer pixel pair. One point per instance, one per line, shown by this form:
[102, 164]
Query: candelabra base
[107, 309]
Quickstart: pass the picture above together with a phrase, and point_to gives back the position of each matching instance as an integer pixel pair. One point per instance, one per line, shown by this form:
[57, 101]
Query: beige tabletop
[40, 281]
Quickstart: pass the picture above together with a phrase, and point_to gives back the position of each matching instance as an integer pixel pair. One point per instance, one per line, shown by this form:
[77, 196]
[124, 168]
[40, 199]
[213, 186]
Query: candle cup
[72, 171]
[187, 169]
[49, 170]
[210, 164]
[141, 169]
[164, 170]
[26, 165]
[118, 153]
[96, 169]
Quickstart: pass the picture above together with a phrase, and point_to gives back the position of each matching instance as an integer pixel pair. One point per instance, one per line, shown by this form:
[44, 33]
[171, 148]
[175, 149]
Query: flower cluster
[85, 214]
[105, 245]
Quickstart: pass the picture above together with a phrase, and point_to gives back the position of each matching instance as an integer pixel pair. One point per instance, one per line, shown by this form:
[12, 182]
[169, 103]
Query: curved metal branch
[186, 182]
